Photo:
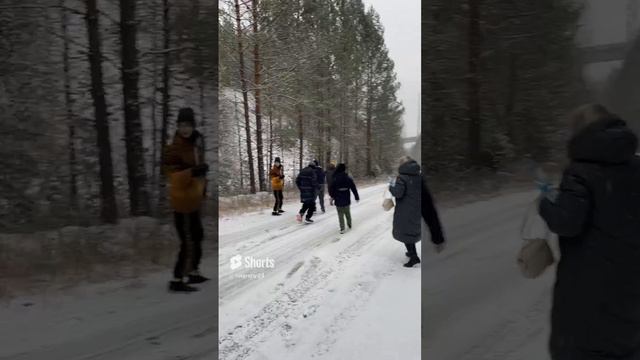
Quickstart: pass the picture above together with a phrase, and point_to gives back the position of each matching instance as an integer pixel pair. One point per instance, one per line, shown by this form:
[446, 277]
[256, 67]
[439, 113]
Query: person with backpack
[307, 183]
[340, 191]
[277, 185]
[320, 176]
[596, 214]
[406, 189]
[186, 172]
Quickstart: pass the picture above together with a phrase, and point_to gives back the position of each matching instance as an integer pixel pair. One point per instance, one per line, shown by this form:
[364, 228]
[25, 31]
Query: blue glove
[544, 187]
[547, 190]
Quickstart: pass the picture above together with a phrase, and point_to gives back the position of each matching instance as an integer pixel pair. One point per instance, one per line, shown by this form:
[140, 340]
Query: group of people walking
[409, 189]
[311, 183]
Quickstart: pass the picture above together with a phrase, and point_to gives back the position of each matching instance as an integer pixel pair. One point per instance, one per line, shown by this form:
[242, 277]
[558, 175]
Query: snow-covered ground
[327, 296]
[476, 304]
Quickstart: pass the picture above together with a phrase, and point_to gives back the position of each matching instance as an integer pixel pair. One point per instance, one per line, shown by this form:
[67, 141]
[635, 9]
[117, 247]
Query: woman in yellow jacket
[277, 184]
[186, 173]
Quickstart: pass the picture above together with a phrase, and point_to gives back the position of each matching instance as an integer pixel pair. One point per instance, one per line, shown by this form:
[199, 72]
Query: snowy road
[328, 296]
[476, 304]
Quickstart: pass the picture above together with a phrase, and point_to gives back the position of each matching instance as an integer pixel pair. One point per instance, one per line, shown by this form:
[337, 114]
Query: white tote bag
[535, 255]
[387, 204]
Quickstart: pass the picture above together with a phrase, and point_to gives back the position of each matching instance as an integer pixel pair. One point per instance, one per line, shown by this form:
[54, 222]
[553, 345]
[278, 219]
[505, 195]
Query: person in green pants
[340, 191]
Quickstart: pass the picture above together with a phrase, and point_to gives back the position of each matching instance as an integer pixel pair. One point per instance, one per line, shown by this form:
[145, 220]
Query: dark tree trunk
[245, 99]
[237, 121]
[73, 176]
[136, 172]
[512, 92]
[108, 210]
[154, 128]
[280, 137]
[343, 127]
[166, 97]
[257, 69]
[327, 123]
[356, 107]
[473, 82]
[270, 135]
[203, 120]
[300, 136]
[154, 119]
[369, 170]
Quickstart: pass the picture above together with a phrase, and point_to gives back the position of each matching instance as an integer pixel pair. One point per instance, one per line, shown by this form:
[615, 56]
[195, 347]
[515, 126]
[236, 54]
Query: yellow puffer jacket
[277, 183]
[185, 191]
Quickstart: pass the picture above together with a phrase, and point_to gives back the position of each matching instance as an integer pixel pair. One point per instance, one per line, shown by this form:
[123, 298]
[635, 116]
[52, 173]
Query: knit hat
[277, 159]
[341, 168]
[187, 115]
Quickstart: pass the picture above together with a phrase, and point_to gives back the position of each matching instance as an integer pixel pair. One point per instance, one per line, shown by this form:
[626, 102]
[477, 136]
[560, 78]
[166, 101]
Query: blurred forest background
[89, 92]
[497, 76]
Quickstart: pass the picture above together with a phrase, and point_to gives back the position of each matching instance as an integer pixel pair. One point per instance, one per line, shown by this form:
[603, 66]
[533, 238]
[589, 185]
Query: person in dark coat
[596, 214]
[307, 183]
[430, 216]
[406, 188]
[340, 192]
[320, 176]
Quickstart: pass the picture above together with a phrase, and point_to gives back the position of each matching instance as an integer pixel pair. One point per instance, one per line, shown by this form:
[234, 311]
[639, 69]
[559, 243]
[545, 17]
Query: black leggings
[411, 249]
[279, 198]
[189, 227]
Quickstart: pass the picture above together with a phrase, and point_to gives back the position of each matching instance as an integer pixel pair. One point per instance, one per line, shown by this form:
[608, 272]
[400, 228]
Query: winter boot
[341, 231]
[280, 211]
[308, 221]
[275, 213]
[197, 279]
[180, 286]
[412, 261]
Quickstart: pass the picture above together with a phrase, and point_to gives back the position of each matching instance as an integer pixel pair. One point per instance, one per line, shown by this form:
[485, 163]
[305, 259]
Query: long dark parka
[596, 299]
[407, 191]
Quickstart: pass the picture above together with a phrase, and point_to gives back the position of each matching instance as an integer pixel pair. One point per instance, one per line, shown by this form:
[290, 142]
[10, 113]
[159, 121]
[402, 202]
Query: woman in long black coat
[407, 189]
[596, 214]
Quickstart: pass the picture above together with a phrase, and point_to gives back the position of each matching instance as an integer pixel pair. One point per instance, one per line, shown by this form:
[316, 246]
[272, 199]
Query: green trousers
[344, 212]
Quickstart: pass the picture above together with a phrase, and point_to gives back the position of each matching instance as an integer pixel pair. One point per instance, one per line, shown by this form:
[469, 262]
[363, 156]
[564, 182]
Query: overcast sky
[402, 36]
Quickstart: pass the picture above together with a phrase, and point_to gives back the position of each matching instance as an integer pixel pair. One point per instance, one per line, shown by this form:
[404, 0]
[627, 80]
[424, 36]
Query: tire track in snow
[240, 343]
